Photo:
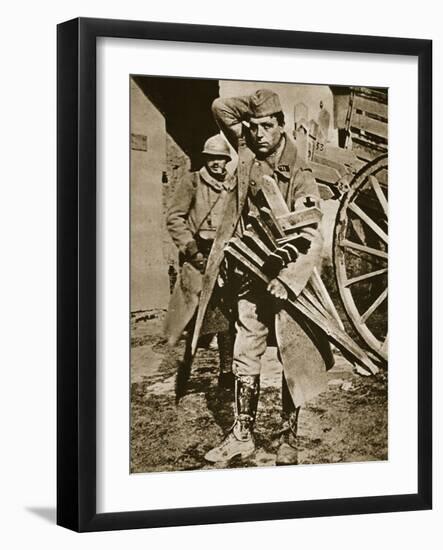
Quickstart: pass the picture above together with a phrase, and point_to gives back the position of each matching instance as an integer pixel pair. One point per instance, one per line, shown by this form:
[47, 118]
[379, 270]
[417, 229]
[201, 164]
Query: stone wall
[178, 165]
[170, 120]
[149, 281]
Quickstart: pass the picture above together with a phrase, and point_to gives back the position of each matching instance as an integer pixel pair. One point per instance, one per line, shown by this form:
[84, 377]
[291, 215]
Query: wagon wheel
[361, 254]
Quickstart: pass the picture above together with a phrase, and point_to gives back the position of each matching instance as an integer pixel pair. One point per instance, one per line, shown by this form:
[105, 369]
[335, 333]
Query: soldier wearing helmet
[193, 216]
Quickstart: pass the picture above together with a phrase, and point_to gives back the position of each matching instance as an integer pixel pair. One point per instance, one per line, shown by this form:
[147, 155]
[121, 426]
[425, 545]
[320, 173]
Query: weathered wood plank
[293, 221]
[250, 255]
[363, 122]
[343, 156]
[367, 150]
[323, 294]
[379, 95]
[323, 173]
[273, 196]
[237, 255]
[326, 192]
[320, 158]
[255, 244]
[271, 222]
[263, 232]
[370, 106]
[336, 335]
[316, 303]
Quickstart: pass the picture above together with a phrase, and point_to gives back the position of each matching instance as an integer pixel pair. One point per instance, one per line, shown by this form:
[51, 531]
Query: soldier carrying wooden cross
[268, 166]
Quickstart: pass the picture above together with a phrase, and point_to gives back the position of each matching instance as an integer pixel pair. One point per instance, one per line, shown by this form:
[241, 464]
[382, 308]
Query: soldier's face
[265, 133]
[216, 166]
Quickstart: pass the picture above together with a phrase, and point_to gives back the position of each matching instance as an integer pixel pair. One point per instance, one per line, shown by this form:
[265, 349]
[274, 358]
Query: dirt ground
[347, 423]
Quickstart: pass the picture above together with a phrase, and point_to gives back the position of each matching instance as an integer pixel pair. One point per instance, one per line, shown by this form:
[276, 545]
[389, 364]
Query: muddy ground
[348, 423]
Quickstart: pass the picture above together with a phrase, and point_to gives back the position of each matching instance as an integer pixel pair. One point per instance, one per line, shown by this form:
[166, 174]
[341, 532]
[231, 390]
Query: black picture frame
[76, 266]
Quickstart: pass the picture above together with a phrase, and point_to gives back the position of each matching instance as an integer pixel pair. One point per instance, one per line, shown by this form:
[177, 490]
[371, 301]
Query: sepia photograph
[259, 274]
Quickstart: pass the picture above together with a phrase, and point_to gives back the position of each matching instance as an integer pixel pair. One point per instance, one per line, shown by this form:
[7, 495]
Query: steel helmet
[217, 146]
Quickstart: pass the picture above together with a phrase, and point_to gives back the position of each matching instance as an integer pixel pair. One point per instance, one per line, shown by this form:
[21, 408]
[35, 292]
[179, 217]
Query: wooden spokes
[363, 248]
[361, 254]
[365, 276]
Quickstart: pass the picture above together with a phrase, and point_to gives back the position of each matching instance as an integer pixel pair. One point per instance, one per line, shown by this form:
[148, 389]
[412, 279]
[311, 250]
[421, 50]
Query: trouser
[225, 341]
[256, 318]
[256, 314]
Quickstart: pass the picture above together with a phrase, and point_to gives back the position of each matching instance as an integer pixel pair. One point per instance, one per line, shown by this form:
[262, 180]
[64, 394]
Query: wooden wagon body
[355, 173]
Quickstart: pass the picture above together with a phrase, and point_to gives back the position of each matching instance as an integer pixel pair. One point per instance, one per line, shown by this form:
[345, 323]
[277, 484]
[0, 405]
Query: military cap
[217, 146]
[264, 103]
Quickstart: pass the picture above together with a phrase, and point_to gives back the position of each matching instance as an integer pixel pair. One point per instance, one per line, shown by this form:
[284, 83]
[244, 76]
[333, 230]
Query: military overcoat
[193, 215]
[304, 349]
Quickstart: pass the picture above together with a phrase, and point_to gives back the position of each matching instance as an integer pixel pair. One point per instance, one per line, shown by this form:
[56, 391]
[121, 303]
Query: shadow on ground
[48, 514]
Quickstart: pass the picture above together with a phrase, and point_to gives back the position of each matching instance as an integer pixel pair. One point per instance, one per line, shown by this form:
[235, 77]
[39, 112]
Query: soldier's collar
[285, 164]
[214, 183]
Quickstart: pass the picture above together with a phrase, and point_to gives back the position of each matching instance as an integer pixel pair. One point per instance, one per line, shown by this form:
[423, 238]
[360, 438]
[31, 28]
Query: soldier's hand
[198, 261]
[277, 289]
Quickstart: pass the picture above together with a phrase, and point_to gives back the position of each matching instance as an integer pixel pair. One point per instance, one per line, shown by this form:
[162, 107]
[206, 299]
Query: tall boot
[240, 439]
[226, 379]
[287, 453]
[183, 370]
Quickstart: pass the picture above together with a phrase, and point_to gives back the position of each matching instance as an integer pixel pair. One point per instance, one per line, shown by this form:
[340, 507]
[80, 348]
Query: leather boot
[287, 453]
[226, 379]
[240, 440]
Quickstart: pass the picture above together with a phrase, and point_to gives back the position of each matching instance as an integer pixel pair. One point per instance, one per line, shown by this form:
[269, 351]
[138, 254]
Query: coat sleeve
[229, 114]
[177, 218]
[296, 274]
